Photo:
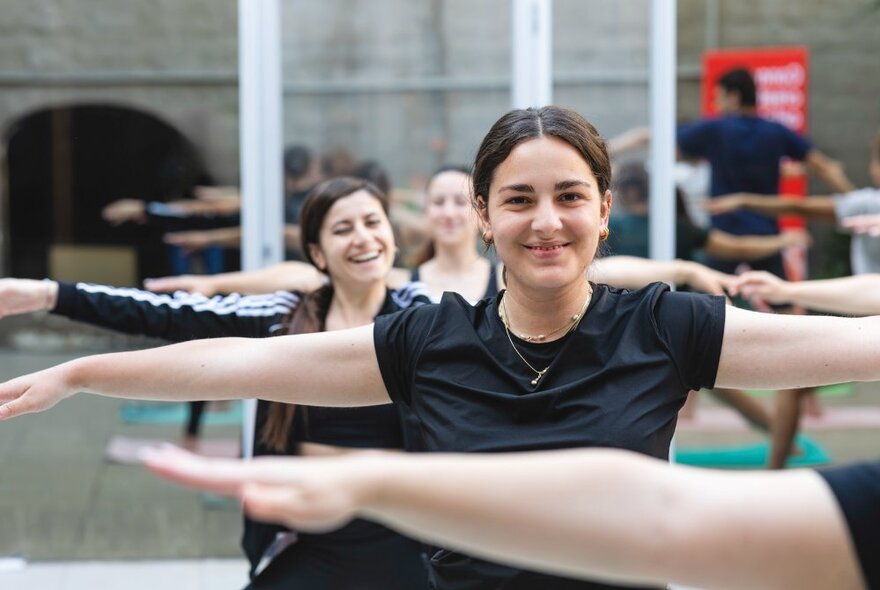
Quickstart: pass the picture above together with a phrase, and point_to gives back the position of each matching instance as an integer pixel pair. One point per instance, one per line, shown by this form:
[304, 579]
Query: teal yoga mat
[752, 456]
[176, 413]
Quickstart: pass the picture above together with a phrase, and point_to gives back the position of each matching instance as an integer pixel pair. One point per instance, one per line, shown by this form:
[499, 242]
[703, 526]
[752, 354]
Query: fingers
[214, 475]
[168, 284]
[222, 476]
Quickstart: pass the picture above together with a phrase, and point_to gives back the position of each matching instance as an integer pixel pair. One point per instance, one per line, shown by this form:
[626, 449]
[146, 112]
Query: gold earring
[488, 241]
[604, 233]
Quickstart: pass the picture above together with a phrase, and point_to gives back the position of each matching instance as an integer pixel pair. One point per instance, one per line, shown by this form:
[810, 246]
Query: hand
[124, 210]
[35, 392]
[725, 204]
[760, 284]
[189, 283]
[307, 494]
[704, 279]
[19, 296]
[863, 224]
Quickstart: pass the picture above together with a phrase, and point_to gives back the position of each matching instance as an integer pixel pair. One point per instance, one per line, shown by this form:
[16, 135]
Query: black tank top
[491, 286]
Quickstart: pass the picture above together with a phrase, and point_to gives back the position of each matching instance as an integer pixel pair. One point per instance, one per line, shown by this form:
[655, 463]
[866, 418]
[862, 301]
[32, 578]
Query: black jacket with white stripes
[189, 316]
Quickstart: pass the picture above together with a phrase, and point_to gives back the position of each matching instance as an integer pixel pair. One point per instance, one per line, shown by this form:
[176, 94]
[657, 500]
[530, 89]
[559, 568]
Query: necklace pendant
[537, 378]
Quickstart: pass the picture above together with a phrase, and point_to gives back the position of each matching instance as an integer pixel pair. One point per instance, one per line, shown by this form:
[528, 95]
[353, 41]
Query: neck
[355, 306]
[539, 312]
[455, 258]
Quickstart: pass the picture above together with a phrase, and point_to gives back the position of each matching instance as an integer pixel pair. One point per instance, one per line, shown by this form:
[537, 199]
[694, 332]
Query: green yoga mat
[751, 456]
[176, 413]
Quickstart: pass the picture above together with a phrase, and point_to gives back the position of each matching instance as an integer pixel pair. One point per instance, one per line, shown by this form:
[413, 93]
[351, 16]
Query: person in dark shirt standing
[745, 152]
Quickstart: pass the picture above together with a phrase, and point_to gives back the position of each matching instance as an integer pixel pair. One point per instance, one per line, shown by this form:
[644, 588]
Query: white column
[259, 63]
[662, 115]
[532, 75]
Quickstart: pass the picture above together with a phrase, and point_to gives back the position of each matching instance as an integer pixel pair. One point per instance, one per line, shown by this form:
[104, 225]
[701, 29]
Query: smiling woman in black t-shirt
[553, 362]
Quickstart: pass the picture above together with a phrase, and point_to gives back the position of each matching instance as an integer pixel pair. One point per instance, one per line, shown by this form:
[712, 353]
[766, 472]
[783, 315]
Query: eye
[373, 222]
[570, 197]
[341, 230]
[516, 200]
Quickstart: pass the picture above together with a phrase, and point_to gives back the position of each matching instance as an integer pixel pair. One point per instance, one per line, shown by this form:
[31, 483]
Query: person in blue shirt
[745, 150]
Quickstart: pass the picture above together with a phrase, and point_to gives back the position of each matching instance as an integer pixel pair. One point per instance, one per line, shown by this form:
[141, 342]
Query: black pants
[361, 556]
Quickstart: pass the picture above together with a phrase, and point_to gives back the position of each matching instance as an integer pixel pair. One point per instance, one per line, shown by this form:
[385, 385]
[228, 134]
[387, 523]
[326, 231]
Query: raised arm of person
[774, 351]
[857, 295]
[829, 171]
[198, 239]
[286, 276]
[816, 207]
[310, 369]
[632, 272]
[580, 513]
[727, 246]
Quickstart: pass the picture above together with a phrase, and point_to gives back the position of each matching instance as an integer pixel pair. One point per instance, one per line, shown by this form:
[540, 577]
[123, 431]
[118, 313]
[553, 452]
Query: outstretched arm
[830, 171]
[287, 276]
[858, 295]
[774, 351]
[632, 272]
[336, 368]
[603, 514]
[727, 246]
[818, 207]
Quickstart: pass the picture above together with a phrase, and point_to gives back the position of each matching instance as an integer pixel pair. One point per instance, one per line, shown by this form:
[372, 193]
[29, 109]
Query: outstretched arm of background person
[858, 295]
[18, 296]
[817, 207]
[286, 276]
[636, 138]
[631, 272]
[580, 513]
[830, 171]
[775, 351]
[863, 224]
[194, 240]
[310, 369]
[730, 247]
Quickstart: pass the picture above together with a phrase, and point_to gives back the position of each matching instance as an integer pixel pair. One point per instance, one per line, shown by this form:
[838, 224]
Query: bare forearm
[287, 276]
[811, 207]
[223, 368]
[858, 295]
[592, 526]
[731, 247]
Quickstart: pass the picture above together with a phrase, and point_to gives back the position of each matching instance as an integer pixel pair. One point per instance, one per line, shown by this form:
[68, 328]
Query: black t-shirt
[857, 490]
[617, 381]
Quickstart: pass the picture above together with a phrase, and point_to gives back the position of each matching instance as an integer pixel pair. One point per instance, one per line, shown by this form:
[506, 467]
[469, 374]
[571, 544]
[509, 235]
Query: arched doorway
[65, 163]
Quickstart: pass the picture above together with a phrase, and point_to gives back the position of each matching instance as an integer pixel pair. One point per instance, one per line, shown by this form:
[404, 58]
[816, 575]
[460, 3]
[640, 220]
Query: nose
[546, 220]
[361, 233]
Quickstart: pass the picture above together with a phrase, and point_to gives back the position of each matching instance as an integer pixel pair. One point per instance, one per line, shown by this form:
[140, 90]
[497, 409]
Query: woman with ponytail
[346, 235]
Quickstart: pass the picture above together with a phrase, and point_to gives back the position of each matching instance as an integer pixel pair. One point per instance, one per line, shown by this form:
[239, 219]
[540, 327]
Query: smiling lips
[546, 250]
[366, 257]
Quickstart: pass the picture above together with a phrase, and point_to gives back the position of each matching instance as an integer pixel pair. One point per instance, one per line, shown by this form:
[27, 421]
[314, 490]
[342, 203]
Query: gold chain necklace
[572, 325]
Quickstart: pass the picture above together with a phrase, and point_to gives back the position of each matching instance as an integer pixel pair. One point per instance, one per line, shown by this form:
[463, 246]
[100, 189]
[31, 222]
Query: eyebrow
[560, 186]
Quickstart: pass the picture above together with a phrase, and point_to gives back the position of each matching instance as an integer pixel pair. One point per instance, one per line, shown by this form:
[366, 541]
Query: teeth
[366, 257]
[547, 247]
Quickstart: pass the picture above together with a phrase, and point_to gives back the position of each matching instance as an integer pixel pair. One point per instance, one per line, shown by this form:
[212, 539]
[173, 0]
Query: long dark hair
[311, 314]
[428, 251]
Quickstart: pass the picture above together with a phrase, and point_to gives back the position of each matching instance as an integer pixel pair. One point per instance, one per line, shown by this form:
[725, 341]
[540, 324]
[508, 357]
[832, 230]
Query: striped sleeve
[177, 317]
[410, 295]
